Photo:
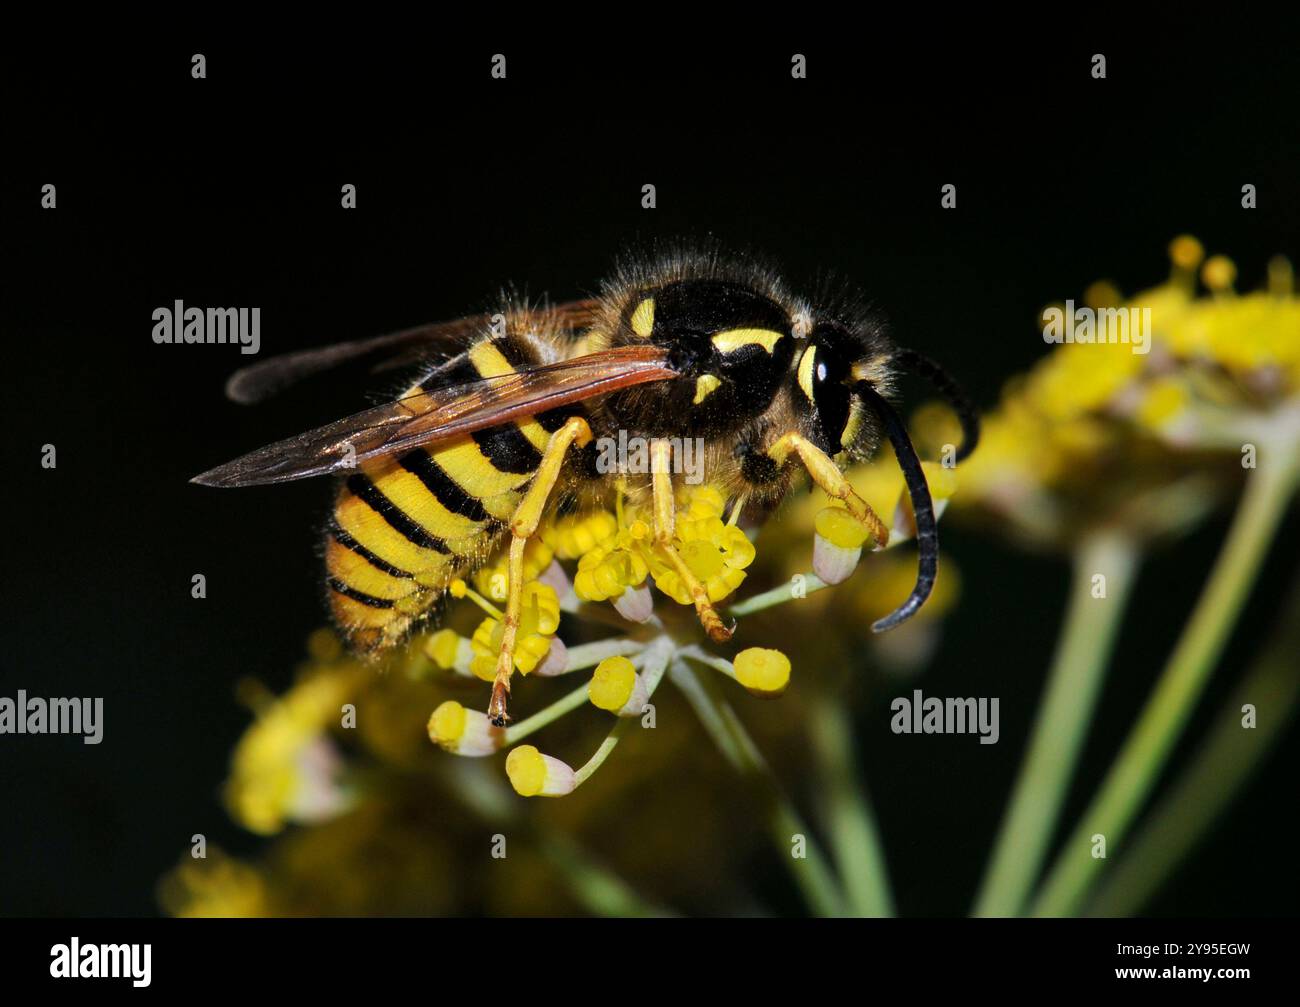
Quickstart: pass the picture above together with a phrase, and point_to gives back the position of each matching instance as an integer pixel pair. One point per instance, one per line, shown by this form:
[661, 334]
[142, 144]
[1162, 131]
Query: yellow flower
[449, 651]
[716, 552]
[575, 535]
[1163, 400]
[615, 686]
[533, 774]
[492, 579]
[762, 671]
[610, 568]
[1094, 426]
[464, 732]
[216, 887]
[285, 768]
[539, 618]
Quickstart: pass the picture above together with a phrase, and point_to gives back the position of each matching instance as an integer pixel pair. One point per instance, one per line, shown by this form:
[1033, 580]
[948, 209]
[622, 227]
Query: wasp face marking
[823, 375]
[705, 385]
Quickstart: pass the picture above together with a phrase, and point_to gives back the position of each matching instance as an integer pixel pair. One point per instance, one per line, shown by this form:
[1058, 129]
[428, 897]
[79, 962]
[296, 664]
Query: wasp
[688, 344]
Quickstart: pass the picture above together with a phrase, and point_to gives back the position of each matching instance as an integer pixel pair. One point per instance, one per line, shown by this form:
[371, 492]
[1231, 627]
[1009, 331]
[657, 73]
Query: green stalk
[1217, 773]
[1131, 777]
[598, 888]
[579, 657]
[855, 841]
[1078, 667]
[548, 715]
[778, 595]
[813, 874]
[656, 656]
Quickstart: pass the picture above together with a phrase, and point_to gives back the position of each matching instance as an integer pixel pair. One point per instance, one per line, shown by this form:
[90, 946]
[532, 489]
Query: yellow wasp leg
[665, 512]
[523, 525]
[826, 474]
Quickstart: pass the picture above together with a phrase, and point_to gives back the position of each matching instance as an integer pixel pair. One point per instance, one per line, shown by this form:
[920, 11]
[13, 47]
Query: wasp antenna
[946, 385]
[927, 529]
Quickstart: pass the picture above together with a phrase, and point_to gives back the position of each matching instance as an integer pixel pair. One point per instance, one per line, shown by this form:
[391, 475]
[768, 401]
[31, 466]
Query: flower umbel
[608, 556]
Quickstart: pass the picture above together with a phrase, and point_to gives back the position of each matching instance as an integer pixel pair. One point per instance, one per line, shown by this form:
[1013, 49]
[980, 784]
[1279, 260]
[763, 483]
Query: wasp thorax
[731, 344]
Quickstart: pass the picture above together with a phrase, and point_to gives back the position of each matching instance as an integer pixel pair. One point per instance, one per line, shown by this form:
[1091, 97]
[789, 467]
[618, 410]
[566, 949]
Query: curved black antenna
[946, 385]
[927, 529]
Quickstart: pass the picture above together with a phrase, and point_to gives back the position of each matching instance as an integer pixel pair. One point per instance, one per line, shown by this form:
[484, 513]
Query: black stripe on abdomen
[358, 596]
[378, 562]
[363, 489]
[444, 489]
[456, 371]
[517, 353]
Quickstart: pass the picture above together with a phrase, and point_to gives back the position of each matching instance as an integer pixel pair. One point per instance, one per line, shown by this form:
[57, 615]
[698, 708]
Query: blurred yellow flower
[1096, 425]
[214, 887]
[286, 768]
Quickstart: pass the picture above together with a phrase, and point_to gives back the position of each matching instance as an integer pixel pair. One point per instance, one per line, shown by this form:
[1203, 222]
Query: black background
[226, 191]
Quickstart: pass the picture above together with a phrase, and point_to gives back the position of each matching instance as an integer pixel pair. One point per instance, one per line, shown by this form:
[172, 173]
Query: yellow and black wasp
[689, 344]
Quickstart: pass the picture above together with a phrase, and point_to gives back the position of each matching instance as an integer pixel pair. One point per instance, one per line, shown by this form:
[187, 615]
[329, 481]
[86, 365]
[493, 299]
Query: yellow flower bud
[576, 535]
[762, 671]
[464, 732]
[941, 479]
[442, 647]
[1218, 273]
[533, 774]
[1186, 252]
[486, 644]
[1164, 399]
[839, 527]
[617, 687]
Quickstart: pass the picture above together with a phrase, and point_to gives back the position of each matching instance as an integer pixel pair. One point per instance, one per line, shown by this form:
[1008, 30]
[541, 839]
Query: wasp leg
[665, 512]
[523, 525]
[826, 474]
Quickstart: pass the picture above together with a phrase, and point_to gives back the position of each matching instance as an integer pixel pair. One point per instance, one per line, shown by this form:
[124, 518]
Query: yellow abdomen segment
[404, 527]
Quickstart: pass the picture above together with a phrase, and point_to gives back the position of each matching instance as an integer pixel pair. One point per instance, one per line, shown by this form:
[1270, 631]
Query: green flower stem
[548, 715]
[1080, 662]
[702, 656]
[656, 658]
[813, 875]
[779, 595]
[602, 753]
[1216, 774]
[585, 656]
[598, 888]
[588, 655]
[1268, 490]
[859, 855]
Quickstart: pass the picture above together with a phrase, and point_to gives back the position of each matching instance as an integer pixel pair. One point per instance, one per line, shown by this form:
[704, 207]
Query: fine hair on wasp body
[688, 347]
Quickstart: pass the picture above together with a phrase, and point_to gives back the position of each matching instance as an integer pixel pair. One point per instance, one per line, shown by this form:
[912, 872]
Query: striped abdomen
[403, 528]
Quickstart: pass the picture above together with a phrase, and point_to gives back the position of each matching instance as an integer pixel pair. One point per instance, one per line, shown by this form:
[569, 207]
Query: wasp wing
[440, 414]
[267, 377]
